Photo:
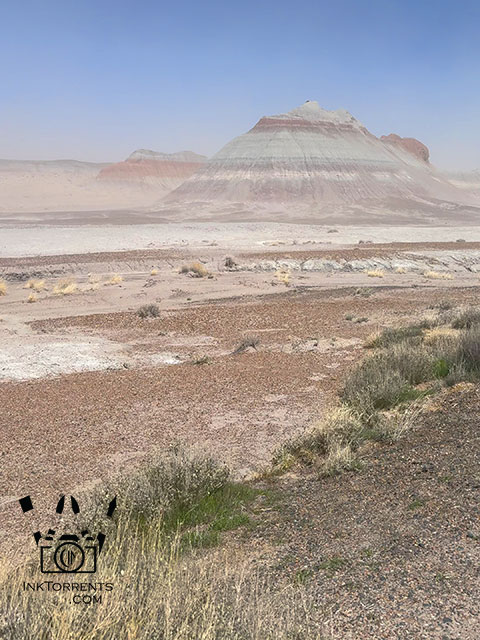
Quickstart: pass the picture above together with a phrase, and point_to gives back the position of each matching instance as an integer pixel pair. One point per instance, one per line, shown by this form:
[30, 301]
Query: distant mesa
[315, 157]
[166, 170]
[412, 145]
[70, 185]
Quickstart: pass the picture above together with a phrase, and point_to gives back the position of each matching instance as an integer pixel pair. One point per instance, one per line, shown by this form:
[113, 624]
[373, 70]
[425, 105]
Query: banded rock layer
[315, 157]
[163, 170]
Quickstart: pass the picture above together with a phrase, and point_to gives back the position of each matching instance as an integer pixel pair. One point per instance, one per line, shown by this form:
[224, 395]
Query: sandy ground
[84, 234]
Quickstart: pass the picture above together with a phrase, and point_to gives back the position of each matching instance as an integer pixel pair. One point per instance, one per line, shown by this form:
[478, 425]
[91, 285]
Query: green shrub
[441, 368]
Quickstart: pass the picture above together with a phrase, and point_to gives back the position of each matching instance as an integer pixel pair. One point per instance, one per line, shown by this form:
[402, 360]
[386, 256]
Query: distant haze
[95, 80]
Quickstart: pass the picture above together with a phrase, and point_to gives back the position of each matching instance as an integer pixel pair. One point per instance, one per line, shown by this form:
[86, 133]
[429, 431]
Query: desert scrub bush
[230, 263]
[65, 287]
[467, 319]
[32, 298]
[148, 311]
[437, 275]
[154, 272]
[249, 342]
[202, 360]
[364, 292]
[400, 270]
[170, 483]
[387, 378]
[444, 305]
[36, 285]
[195, 269]
[457, 373]
[3, 288]
[375, 273]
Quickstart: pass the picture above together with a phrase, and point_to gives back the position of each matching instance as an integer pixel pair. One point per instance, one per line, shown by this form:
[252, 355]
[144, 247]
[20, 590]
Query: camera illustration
[68, 552]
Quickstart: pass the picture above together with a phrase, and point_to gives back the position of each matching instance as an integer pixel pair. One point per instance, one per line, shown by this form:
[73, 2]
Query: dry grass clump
[375, 273]
[65, 287]
[393, 425]
[372, 340]
[3, 288]
[114, 279]
[400, 270]
[195, 269]
[163, 587]
[154, 272]
[395, 335]
[330, 444]
[437, 334]
[249, 342]
[36, 285]
[437, 275]
[32, 298]
[148, 311]
[159, 592]
[283, 276]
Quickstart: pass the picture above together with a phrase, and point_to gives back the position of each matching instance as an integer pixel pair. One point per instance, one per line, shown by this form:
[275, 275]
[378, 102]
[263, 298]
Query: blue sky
[96, 79]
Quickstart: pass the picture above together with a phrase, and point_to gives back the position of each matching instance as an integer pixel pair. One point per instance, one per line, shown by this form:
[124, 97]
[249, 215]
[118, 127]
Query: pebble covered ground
[391, 551]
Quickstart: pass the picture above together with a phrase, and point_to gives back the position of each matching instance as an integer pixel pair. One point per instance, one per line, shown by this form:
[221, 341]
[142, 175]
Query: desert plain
[224, 320]
[89, 387]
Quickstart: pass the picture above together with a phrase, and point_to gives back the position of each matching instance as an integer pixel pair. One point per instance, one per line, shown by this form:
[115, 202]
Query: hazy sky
[96, 79]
